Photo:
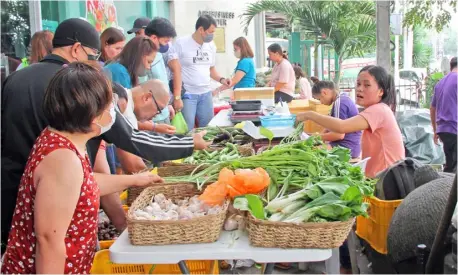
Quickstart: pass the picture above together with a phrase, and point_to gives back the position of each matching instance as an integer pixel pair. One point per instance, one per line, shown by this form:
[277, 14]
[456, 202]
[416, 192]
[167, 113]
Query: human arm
[58, 180]
[109, 184]
[279, 86]
[111, 204]
[337, 125]
[149, 145]
[331, 136]
[237, 77]
[175, 68]
[130, 163]
[217, 77]
[432, 112]
[157, 127]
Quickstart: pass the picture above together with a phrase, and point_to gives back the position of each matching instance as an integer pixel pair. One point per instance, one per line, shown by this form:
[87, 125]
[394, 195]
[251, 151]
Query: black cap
[161, 27]
[139, 23]
[75, 30]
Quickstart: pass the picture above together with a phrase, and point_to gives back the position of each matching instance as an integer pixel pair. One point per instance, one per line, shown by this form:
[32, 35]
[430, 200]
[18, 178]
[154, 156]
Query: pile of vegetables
[161, 208]
[291, 167]
[230, 152]
[232, 184]
[335, 199]
[107, 231]
[295, 135]
[221, 136]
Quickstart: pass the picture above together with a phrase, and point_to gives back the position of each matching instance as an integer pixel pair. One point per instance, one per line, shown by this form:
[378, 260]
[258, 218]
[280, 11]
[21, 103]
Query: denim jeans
[197, 106]
[111, 158]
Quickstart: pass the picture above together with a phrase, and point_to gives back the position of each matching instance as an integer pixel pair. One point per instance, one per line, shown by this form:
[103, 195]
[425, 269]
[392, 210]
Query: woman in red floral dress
[54, 228]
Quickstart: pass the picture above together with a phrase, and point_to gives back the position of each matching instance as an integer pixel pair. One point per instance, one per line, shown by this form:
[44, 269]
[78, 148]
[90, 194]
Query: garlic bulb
[161, 208]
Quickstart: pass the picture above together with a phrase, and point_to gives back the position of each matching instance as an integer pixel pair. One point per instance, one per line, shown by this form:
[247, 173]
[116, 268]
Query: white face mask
[106, 128]
[237, 54]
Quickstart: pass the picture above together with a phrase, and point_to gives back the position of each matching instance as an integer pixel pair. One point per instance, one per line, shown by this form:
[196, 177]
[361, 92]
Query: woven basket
[198, 230]
[292, 235]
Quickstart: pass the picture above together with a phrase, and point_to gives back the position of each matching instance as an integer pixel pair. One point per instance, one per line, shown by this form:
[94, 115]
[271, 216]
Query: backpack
[398, 180]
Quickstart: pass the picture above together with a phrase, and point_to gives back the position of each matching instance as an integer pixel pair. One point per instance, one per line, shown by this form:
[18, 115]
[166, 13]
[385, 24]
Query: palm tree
[347, 26]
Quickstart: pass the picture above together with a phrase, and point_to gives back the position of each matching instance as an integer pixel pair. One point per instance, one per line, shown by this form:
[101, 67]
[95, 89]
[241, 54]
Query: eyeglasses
[89, 56]
[159, 109]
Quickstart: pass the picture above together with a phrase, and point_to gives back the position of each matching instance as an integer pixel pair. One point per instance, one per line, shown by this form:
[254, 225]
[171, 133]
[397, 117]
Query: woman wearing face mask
[245, 72]
[54, 228]
[112, 41]
[133, 62]
[382, 139]
[283, 78]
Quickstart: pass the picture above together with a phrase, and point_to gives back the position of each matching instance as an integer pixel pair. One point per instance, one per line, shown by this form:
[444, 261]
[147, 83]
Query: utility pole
[383, 34]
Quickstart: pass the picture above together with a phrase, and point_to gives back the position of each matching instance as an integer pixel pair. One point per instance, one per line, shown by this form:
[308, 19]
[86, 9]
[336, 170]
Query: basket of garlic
[173, 214]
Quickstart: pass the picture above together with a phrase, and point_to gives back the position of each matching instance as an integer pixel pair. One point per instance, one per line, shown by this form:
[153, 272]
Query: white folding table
[230, 246]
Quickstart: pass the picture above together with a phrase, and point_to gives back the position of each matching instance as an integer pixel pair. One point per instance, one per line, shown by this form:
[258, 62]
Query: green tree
[432, 14]
[347, 26]
[422, 50]
[15, 25]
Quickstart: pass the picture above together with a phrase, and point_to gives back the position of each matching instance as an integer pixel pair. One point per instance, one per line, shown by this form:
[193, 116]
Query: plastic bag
[214, 194]
[180, 124]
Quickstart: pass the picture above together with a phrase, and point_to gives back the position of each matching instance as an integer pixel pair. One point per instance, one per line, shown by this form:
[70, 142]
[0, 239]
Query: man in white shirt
[197, 55]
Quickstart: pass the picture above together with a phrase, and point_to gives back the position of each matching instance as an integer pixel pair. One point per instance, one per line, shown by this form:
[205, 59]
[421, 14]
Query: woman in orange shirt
[382, 139]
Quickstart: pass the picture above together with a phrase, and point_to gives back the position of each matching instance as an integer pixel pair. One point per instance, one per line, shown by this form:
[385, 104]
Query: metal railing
[409, 95]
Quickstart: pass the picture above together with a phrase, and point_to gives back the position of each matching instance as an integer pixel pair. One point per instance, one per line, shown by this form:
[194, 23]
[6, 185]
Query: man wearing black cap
[161, 31]
[23, 119]
[139, 26]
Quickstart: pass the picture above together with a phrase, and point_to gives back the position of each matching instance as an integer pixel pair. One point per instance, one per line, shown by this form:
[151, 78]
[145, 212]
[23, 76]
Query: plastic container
[374, 229]
[103, 265]
[246, 105]
[278, 121]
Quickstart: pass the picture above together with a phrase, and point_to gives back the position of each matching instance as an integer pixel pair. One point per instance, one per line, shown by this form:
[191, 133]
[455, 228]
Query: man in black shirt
[23, 119]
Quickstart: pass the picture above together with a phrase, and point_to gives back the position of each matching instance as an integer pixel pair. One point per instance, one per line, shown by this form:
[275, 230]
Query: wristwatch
[178, 97]
[221, 79]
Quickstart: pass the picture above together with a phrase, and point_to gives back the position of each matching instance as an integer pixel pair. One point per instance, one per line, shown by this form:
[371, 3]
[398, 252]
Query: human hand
[178, 104]
[436, 139]
[303, 116]
[171, 111]
[146, 178]
[227, 82]
[165, 129]
[199, 142]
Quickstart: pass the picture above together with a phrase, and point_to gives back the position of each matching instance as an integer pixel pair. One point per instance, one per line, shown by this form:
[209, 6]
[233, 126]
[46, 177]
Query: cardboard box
[265, 94]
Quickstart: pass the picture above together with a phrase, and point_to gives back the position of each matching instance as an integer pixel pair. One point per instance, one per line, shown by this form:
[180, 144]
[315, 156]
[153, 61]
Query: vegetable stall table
[231, 245]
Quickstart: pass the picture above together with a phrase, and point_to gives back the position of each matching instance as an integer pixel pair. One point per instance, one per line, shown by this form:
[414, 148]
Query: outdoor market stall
[293, 202]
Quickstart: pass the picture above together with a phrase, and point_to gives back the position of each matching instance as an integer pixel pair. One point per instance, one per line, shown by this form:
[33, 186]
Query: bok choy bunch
[331, 200]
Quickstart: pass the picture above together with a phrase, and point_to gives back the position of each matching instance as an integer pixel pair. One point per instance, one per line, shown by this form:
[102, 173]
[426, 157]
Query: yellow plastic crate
[123, 196]
[103, 265]
[374, 229]
[107, 244]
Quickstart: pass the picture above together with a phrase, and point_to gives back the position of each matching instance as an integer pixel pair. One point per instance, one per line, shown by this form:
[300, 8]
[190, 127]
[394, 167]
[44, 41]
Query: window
[15, 31]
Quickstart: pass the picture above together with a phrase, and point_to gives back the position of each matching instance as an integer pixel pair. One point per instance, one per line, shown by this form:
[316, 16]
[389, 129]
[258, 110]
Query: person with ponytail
[283, 78]
[382, 139]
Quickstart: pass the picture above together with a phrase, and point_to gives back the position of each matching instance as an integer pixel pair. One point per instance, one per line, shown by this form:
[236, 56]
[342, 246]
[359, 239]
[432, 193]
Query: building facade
[20, 19]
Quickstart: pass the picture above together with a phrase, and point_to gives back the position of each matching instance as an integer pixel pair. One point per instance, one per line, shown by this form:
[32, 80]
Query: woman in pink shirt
[283, 78]
[382, 139]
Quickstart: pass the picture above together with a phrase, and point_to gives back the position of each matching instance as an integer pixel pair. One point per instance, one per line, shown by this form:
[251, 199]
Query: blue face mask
[163, 48]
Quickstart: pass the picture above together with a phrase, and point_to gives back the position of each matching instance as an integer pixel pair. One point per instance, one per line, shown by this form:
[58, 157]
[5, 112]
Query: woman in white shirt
[304, 84]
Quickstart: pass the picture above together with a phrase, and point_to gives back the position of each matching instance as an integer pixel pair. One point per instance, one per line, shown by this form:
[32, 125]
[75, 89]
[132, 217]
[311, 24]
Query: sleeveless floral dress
[81, 237]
